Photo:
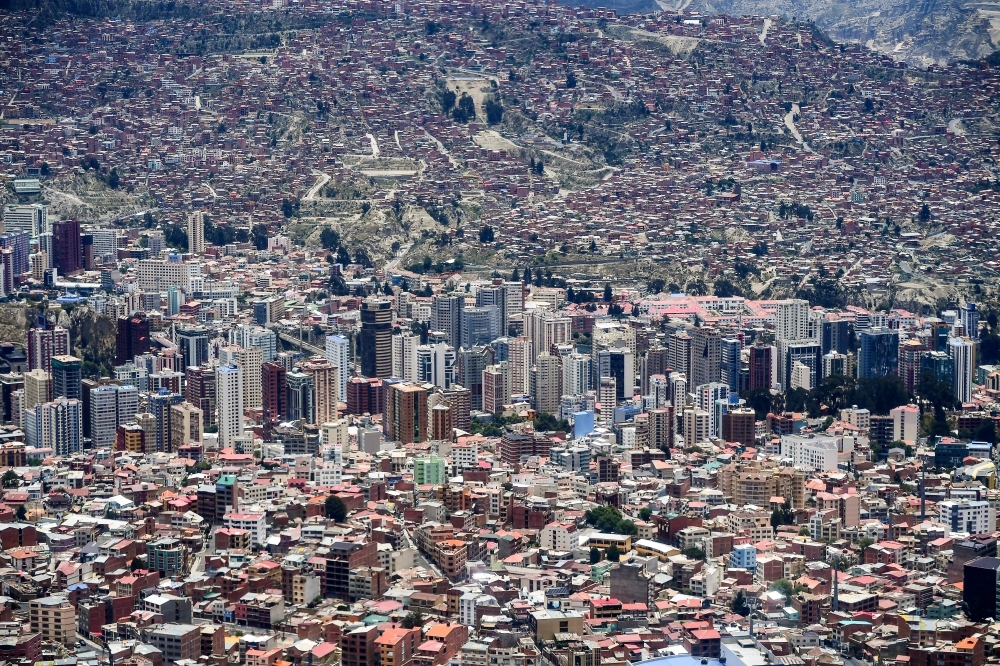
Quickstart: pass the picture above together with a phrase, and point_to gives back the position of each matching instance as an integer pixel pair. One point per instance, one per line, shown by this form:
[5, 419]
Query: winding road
[321, 180]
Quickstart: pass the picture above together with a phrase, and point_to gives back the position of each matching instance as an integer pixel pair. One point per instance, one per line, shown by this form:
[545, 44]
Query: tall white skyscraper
[791, 319]
[229, 398]
[576, 374]
[519, 356]
[963, 358]
[404, 355]
[196, 232]
[57, 425]
[436, 364]
[250, 359]
[338, 353]
[111, 406]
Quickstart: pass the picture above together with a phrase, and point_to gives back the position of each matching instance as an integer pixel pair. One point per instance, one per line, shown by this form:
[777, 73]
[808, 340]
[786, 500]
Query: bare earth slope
[919, 32]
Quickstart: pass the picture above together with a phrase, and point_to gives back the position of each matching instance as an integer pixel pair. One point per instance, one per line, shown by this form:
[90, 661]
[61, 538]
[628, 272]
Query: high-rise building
[546, 383]
[835, 363]
[656, 362]
[496, 387]
[458, 400]
[186, 426]
[37, 388]
[804, 352]
[301, 397]
[132, 338]
[706, 355]
[375, 342]
[618, 363]
[696, 426]
[470, 365]
[791, 319]
[274, 399]
[738, 425]
[43, 344]
[662, 426]
[19, 243]
[67, 248]
[199, 383]
[159, 404]
[406, 413]
[519, 357]
[607, 396]
[940, 364]
[446, 316]
[57, 425]
[196, 232]
[836, 335]
[968, 314]
[67, 372]
[250, 359]
[730, 363]
[679, 352]
[193, 345]
[436, 364]
[229, 395]
[576, 374]
[480, 325]
[910, 354]
[325, 383]
[761, 366]
[979, 591]
[963, 359]
[338, 353]
[32, 219]
[879, 355]
[111, 405]
[546, 328]
[404, 355]
[708, 399]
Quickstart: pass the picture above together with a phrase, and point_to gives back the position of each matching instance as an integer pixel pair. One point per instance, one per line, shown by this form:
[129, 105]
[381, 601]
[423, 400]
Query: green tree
[645, 513]
[329, 239]
[20, 513]
[607, 292]
[608, 519]
[614, 554]
[694, 553]
[740, 605]
[412, 620]
[783, 586]
[864, 543]
[595, 555]
[11, 479]
[335, 508]
[925, 214]
[783, 515]
[137, 564]
[494, 111]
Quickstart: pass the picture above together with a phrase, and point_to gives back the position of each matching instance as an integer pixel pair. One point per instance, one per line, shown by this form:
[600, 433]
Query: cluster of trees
[878, 395]
[609, 520]
[330, 240]
[783, 515]
[536, 167]
[494, 110]
[486, 234]
[494, 428]
[545, 422]
[176, 236]
[428, 265]
[824, 291]
[465, 110]
[794, 209]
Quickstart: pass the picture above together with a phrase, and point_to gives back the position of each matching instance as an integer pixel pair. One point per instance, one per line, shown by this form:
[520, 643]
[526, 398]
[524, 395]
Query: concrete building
[54, 618]
[229, 397]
